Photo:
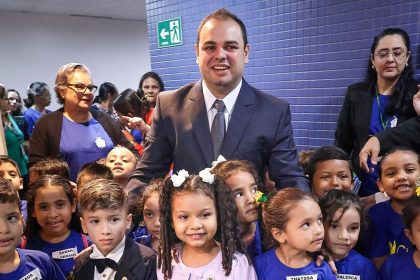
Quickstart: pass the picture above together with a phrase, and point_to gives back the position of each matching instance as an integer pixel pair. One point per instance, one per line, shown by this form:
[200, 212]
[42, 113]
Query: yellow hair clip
[260, 197]
[418, 186]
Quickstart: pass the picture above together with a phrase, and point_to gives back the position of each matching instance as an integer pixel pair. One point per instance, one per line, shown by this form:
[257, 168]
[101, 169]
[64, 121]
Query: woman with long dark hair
[382, 101]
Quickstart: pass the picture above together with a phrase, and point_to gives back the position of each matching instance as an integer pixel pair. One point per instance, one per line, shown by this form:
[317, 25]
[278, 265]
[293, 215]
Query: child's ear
[128, 221]
[83, 223]
[74, 205]
[380, 185]
[21, 183]
[278, 235]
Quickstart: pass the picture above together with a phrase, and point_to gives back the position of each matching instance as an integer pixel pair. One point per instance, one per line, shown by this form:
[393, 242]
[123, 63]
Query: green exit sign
[169, 33]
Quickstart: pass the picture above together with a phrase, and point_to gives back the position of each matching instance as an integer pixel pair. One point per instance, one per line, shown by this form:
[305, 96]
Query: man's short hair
[102, 194]
[223, 14]
[8, 194]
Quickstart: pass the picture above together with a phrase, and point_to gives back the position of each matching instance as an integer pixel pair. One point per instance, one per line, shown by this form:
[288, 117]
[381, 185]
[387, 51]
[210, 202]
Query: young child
[49, 167]
[9, 170]
[122, 162]
[92, 171]
[398, 172]
[18, 263]
[104, 207]
[343, 220]
[406, 266]
[199, 233]
[148, 232]
[243, 182]
[293, 222]
[53, 226]
[329, 168]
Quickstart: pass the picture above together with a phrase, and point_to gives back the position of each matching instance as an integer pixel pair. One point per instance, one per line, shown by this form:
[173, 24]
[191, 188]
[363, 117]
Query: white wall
[34, 46]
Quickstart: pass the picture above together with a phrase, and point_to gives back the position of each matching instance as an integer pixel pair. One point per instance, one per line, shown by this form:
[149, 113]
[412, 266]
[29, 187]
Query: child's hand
[320, 258]
[135, 123]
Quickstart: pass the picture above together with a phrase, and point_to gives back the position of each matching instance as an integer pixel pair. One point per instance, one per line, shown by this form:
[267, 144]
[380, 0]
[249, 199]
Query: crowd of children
[210, 225]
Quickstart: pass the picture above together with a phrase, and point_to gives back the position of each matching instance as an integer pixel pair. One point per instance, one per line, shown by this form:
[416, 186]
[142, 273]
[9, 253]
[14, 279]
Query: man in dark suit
[255, 126]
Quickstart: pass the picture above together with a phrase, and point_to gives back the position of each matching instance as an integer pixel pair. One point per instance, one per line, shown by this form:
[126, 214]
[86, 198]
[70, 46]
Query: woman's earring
[406, 64]
[373, 66]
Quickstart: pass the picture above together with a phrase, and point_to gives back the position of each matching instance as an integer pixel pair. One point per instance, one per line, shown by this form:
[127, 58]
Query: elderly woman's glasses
[81, 88]
[398, 54]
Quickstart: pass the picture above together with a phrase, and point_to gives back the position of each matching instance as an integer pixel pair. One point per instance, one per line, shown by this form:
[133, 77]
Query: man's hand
[416, 101]
[371, 148]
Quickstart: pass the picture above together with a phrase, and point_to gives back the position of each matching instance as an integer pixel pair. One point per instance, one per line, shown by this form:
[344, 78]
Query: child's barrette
[418, 186]
[261, 197]
[219, 159]
[206, 175]
[178, 180]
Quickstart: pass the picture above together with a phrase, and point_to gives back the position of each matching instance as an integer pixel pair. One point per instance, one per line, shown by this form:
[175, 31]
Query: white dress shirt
[229, 102]
[115, 254]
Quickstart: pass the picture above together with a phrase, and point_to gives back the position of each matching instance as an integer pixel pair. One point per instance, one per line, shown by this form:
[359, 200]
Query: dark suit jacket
[406, 134]
[354, 121]
[259, 131]
[137, 262]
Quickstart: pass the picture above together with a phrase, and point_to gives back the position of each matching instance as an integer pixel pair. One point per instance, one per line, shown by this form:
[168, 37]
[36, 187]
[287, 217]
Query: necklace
[384, 123]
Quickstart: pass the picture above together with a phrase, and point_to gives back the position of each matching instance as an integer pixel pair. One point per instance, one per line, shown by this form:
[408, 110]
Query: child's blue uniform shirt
[34, 265]
[269, 267]
[400, 266]
[355, 264]
[62, 252]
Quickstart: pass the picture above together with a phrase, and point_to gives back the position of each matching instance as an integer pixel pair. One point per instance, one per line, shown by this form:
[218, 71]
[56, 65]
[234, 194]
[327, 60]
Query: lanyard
[383, 123]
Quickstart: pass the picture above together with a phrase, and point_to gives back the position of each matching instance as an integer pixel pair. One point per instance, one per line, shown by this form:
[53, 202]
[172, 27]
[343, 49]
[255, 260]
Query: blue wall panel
[306, 52]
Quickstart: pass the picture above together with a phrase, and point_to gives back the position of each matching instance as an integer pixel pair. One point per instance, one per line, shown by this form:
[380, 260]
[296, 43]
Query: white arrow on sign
[164, 33]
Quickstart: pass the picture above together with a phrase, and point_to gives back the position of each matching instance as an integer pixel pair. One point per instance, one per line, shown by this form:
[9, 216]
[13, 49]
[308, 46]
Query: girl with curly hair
[199, 231]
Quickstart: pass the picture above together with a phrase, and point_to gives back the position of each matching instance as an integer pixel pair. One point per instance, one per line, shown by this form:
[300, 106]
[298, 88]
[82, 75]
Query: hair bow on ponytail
[179, 179]
[261, 197]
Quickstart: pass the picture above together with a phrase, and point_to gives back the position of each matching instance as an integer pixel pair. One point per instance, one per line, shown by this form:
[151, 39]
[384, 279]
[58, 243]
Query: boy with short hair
[92, 171]
[104, 215]
[122, 162]
[19, 263]
[329, 168]
[9, 170]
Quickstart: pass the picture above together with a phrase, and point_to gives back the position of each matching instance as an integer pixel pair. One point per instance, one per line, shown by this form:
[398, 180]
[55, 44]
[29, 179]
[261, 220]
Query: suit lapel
[200, 121]
[242, 114]
[129, 259]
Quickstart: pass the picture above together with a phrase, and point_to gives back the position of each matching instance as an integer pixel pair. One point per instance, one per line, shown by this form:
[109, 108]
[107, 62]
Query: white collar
[229, 100]
[114, 255]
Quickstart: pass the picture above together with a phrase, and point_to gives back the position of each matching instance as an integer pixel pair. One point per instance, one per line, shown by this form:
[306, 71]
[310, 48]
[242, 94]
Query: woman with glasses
[382, 101]
[13, 135]
[76, 133]
[39, 98]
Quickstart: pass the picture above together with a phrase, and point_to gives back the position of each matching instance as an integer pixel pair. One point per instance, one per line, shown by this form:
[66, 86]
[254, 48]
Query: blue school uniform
[268, 267]
[62, 252]
[142, 236]
[34, 265]
[400, 267]
[387, 231]
[255, 247]
[355, 265]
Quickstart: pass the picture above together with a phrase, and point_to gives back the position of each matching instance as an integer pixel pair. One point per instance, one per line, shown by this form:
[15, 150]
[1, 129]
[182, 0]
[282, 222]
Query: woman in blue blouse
[75, 133]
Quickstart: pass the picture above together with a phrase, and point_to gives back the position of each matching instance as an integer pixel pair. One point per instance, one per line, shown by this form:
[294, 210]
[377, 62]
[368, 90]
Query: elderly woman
[382, 102]
[76, 133]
